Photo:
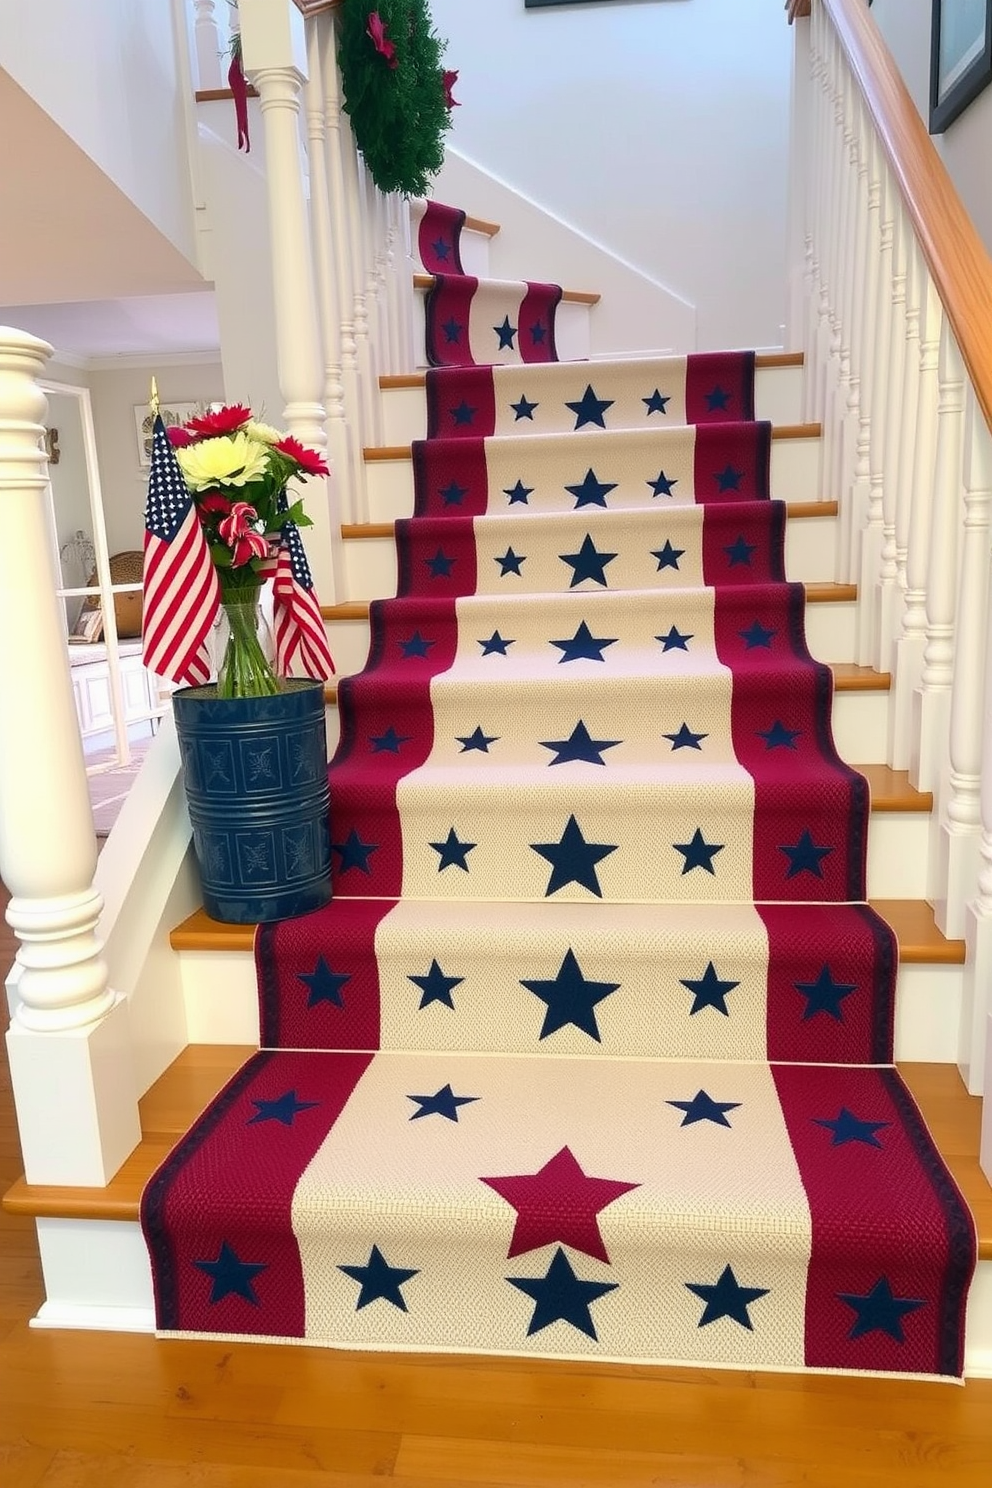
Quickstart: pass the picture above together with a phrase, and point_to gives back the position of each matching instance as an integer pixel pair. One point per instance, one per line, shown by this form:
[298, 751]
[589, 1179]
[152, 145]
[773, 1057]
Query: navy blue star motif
[703, 1107]
[686, 739]
[587, 563]
[442, 250]
[698, 853]
[560, 1296]
[378, 1280]
[231, 1276]
[778, 736]
[570, 998]
[436, 987]
[388, 743]
[583, 646]
[662, 485]
[416, 645]
[454, 494]
[284, 1110]
[726, 1298]
[452, 332]
[510, 563]
[846, 1127]
[464, 414]
[728, 479]
[506, 333]
[355, 853]
[518, 494]
[716, 400]
[476, 740]
[591, 491]
[440, 566]
[538, 333]
[573, 859]
[445, 1103]
[825, 995]
[756, 635]
[657, 403]
[579, 746]
[590, 409]
[709, 991]
[453, 853]
[324, 985]
[805, 857]
[739, 552]
[675, 640]
[524, 409]
[496, 645]
[879, 1311]
[668, 557]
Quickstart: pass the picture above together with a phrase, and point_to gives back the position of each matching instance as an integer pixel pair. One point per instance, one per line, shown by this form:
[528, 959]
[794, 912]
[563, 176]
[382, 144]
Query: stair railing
[896, 331]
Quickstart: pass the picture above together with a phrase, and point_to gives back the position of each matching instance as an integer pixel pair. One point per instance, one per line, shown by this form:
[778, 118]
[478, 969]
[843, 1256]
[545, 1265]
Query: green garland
[399, 113]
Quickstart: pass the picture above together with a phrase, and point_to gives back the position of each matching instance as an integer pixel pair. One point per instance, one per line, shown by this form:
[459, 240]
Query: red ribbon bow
[377, 31]
[239, 87]
[450, 79]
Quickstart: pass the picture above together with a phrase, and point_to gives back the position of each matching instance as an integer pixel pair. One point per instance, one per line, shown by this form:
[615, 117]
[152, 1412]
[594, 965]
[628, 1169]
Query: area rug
[470, 321]
[590, 1056]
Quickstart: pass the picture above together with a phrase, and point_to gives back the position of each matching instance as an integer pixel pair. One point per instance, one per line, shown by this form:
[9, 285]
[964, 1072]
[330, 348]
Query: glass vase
[244, 669]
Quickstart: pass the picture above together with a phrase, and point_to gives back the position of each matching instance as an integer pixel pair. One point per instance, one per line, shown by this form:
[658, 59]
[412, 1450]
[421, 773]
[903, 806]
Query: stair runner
[590, 1056]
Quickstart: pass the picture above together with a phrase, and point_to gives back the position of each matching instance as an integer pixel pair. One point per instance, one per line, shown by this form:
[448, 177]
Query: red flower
[237, 531]
[213, 501]
[178, 436]
[225, 421]
[450, 79]
[377, 31]
[309, 461]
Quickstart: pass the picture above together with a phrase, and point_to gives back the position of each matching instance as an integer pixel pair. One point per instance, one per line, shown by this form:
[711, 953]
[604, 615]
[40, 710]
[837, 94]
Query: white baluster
[69, 1044]
[974, 1059]
[932, 703]
[344, 270]
[367, 196]
[274, 51]
[208, 43]
[404, 280]
[799, 241]
[909, 394]
[368, 375]
[394, 263]
[895, 434]
[837, 240]
[957, 856]
[328, 277]
[816, 166]
[910, 644]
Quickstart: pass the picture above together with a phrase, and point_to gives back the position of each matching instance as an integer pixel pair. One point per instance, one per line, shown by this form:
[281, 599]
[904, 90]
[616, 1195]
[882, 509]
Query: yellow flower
[231, 460]
[264, 433]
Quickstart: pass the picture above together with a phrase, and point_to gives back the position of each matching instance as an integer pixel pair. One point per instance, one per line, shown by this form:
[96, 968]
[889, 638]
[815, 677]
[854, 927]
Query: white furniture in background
[92, 695]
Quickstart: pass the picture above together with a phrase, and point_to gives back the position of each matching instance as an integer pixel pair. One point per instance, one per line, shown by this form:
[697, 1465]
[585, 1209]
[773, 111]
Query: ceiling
[142, 325]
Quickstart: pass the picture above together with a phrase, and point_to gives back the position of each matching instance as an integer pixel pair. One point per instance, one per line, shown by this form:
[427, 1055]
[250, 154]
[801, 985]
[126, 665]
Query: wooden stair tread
[795, 510]
[891, 790]
[848, 677]
[480, 225]
[767, 359]
[358, 609]
[920, 942]
[374, 453]
[569, 296]
[175, 1100]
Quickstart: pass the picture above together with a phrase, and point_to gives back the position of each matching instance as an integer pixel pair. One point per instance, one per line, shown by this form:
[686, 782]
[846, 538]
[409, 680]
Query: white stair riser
[810, 543]
[777, 396]
[107, 1259]
[222, 1004]
[571, 330]
[795, 473]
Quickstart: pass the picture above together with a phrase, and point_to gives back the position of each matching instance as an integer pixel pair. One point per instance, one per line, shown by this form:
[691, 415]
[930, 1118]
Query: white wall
[110, 74]
[661, 130]
[966, 146]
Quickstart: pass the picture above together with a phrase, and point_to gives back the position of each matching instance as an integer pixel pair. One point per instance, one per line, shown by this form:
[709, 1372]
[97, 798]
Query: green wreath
[394, 91]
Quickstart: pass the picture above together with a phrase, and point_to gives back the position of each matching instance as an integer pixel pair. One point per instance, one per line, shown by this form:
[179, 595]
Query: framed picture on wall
[960, 57]
[172, 414]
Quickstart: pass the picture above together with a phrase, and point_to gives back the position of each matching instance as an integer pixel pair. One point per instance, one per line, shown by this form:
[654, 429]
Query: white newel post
[207, 38]
[69, 1043]
[957, 855]
[274, 52]
[932, 702]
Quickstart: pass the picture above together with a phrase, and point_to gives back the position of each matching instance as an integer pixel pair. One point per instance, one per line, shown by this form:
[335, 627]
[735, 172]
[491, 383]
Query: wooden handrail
[959, 263]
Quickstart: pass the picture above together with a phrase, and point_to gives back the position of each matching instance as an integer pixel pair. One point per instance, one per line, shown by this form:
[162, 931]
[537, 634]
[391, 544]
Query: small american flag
[299, 628]
[182, 593]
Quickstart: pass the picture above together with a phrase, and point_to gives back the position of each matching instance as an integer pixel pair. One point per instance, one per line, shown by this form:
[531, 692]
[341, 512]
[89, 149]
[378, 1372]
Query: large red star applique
[558, 1204]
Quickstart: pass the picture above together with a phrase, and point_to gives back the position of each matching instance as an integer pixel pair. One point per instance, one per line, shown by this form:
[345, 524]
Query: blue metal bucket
[255, 771]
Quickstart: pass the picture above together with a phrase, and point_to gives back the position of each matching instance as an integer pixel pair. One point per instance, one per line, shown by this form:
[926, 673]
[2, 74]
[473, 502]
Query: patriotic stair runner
[590, 1054]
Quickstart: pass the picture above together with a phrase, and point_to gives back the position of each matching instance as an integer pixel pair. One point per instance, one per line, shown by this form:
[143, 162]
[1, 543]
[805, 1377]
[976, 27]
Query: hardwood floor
[87, 1410]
